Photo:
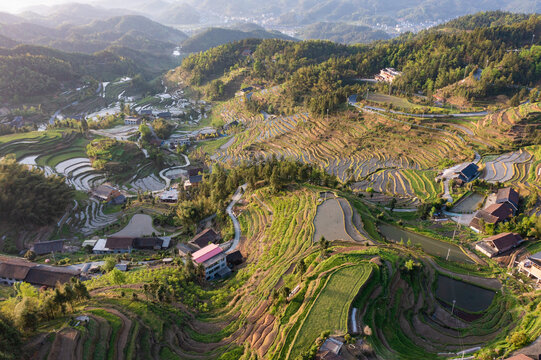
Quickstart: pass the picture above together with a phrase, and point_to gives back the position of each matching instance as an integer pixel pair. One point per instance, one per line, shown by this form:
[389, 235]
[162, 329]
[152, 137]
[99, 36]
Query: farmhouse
[193, 181]
[508, 196]
[234, 258]
[213, 260]
[466, 172]
[387, 75]
[17, 270]
[109, 194]
[205, 237]
[132, 120]
[493, 214]
[47, 247]
[146, 112]
[498, 244]
[122, 245]
[113, 245]
[330, 349]
[532, 266]
[164, 115]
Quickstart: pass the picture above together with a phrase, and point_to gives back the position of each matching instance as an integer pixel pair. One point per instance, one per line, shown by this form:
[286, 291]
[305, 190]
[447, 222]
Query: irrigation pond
[468, 297]
[429, 245]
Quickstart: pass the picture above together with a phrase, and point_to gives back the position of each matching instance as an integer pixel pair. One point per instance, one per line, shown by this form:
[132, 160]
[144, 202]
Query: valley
[268, 198]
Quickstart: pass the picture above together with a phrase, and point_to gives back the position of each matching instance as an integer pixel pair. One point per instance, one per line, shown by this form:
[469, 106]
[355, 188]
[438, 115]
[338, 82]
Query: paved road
[430, 116]
[236, 197]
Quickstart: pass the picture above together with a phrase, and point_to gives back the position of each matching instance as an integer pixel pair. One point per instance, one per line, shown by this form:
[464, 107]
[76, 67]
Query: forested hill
[316, 71]
[136, 32]
[28, 70]
[213, 37]
[484, 19]
[304, 12]
[342, 33]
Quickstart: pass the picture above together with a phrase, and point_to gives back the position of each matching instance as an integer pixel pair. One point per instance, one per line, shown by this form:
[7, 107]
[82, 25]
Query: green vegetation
[330, 310]
[115, 157]
[45, 200]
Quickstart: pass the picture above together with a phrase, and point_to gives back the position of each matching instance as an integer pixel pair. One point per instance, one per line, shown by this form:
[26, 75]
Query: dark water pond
[468, 297]
[430, 246]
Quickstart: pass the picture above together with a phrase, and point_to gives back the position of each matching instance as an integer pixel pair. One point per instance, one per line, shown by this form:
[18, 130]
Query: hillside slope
[213, 37]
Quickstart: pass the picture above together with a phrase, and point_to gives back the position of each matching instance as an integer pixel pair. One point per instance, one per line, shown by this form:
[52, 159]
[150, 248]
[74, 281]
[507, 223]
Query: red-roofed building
[213, 260]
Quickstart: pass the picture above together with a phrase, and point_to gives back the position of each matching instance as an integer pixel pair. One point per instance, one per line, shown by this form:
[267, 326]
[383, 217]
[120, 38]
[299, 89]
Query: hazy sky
[17, 5]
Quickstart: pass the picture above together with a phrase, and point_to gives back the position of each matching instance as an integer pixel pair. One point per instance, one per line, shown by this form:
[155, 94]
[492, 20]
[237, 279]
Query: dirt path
[64, 345]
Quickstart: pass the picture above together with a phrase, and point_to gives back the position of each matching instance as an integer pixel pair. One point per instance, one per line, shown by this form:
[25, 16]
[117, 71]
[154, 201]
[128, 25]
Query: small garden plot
[329, 222]
[331, 308]
[469, 204]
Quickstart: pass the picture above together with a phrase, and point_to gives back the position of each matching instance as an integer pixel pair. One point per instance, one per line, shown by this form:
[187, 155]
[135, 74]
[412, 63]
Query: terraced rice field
[374, 151]
[330, 310]
[506, 167]
[506, 127]
[330, 222]
[91, 217]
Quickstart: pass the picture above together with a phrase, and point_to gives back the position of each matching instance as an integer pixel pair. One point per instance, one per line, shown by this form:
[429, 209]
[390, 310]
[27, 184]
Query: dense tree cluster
[10, 341]
[212, 194]
[113, 156]
[28, 197]
[33, 70]
[430, 60]
[484, 19]
[29, 306]
[162, 128]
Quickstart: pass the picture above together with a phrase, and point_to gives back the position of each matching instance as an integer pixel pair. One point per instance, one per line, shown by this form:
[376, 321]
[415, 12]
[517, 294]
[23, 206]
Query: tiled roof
[508, 194]
[119, 243]
[204, 238]
[505, 241]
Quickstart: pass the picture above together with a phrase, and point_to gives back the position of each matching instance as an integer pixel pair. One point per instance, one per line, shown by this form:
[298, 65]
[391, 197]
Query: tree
[392, 204]
[30, 255]
[117, 277]
[515, 100]
[301, 267]
[109, 265]
[409, 265]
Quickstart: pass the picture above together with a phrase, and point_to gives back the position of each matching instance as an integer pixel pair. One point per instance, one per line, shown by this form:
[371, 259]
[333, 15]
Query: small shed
[47, 247]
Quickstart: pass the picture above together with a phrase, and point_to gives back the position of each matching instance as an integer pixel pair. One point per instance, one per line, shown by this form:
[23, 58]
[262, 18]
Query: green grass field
[331, 309]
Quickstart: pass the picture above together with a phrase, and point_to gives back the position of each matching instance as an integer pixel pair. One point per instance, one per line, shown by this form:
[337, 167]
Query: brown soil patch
[64, 345]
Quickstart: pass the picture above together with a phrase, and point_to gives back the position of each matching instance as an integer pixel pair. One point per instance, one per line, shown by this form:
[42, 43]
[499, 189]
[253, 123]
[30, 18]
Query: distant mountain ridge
[137, 32]
[342, 33]
[213, 37]
[389, 12]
